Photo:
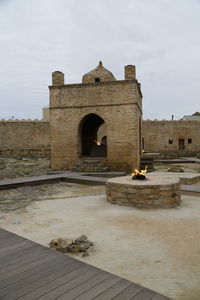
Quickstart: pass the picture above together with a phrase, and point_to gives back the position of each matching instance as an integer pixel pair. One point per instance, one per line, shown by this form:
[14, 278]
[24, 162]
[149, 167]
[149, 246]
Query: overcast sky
[160, 37]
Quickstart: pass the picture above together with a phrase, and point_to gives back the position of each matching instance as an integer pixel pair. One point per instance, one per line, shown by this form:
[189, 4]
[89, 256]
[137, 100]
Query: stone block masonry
[117, 103]
[155, 192]
[171, 138]
[24, 138]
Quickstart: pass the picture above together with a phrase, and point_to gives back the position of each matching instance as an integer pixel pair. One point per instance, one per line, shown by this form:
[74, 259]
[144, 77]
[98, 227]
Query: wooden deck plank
[85, 286]
[15, 248]
[5, 233]
[31, 271]
[145, 294]
[24, 282]
[25, 260]
[98, 289]
[11, 245]
[64, 288]
[44, 292]
[8, 259]
[38, 280]
[159, 297]
[5, 241]
[129, 292]
[114, 290]
[23, 268]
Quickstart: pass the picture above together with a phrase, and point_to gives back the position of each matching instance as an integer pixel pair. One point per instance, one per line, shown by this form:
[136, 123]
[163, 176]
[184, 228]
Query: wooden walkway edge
[77, 177]
[31, 271]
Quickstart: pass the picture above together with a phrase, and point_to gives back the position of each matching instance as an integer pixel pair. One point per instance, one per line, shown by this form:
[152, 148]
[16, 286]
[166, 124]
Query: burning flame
[142, 172]
[97, 143]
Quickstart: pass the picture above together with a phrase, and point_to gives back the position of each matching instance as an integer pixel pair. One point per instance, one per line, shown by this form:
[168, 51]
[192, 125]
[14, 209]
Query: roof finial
[100, 64]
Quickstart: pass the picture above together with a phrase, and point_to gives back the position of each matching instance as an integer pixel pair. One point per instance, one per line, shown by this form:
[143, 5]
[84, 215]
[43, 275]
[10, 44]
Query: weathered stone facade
[78, 110]
[171, 138]
[24, 138]
[32, 138]
[100, 108]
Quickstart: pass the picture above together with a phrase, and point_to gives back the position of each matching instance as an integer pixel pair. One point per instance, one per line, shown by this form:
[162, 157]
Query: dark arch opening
[90, 146]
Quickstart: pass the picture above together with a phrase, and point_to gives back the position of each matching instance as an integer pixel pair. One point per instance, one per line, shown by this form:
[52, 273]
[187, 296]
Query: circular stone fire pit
[154, 192]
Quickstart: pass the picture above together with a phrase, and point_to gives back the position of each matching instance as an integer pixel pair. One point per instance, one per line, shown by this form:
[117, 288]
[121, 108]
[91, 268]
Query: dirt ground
[159, 249]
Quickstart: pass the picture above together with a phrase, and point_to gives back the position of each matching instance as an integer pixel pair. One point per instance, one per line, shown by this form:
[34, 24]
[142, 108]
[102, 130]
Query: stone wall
[24, 138]
[32, 138]
[171, 138]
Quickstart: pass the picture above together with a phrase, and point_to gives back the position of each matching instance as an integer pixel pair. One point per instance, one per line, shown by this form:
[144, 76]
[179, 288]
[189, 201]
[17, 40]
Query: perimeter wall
[171, 138]
[32, 138]
[24, 138]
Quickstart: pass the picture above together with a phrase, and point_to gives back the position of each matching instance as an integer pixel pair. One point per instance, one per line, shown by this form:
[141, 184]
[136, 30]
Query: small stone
[61, 244]
[74, 248]
[81, 239]
[54, 242]
[85, 254]
[85, 246]
[16, 222]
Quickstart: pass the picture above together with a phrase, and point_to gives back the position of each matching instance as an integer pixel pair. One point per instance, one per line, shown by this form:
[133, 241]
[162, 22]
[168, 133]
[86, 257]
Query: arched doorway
[90, 146]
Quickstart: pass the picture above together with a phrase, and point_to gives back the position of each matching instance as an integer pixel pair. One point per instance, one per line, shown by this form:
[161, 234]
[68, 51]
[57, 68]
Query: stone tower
[99, 103]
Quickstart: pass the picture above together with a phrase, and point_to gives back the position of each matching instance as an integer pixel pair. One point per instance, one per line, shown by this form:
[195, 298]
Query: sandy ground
[159, 249]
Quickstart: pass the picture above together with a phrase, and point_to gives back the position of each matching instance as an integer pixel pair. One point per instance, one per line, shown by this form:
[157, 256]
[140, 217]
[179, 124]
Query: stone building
[171, 138]
[100, 117]
[194, 117]
[77, 112]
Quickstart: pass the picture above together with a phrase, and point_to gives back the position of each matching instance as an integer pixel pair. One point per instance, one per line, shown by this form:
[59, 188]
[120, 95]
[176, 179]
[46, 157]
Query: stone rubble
[22, 167]
[81, 244]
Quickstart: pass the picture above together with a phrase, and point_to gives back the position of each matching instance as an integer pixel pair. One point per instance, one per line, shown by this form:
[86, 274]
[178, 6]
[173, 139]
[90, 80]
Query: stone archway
[88, 129]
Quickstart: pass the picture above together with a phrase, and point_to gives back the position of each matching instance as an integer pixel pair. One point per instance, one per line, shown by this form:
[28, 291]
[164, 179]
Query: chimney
[130, 72]
[57, 78]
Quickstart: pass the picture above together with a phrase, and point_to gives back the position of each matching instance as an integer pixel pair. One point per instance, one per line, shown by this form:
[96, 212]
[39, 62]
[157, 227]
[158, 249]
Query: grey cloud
[159, 37]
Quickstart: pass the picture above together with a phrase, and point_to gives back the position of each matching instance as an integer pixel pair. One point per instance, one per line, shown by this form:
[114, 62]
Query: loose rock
[85, 254]
[81, 244]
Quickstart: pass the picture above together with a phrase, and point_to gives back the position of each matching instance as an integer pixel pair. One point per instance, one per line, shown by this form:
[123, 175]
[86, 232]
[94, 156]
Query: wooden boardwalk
[31, 271]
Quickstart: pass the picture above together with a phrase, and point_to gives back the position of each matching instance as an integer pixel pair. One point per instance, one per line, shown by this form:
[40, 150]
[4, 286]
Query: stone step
[90, 165]
[89, 161]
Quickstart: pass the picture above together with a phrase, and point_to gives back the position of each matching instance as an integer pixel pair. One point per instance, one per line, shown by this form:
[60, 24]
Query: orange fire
[142, 172]
[97, 143]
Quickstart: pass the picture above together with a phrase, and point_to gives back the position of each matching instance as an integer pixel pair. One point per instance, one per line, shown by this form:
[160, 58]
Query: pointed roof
[98, 74]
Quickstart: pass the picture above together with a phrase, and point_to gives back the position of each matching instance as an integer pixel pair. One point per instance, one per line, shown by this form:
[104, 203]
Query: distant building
[193, 117]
